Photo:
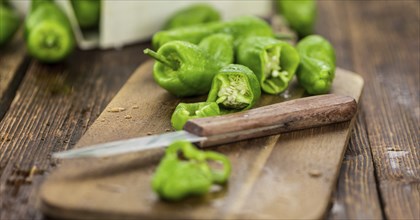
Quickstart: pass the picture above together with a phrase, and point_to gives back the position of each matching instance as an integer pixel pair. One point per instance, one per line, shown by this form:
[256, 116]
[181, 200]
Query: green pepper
[48, 32]
[235, 88]
[185, 69]
[274, 62]
[239, 28]
[185, 111]
[9, 23]
[195, 14]
[87, 12]
[317, 65]
[299, 14]
[220, 47]
[176, 179]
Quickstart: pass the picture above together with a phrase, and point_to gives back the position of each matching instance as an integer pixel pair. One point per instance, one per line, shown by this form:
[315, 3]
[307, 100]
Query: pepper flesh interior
[272, 66]
[233, 92]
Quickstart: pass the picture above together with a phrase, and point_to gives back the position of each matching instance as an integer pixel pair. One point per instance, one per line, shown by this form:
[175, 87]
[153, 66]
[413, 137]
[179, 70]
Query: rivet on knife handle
[273, 119]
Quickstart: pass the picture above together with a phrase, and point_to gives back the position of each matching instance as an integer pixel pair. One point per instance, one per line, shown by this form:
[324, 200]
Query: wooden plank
[13, 63]
[391, 101]
[120, 186]
[356, 195]
[53, 107]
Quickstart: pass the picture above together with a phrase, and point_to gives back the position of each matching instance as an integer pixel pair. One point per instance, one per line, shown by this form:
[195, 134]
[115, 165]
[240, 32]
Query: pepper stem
[160, 58]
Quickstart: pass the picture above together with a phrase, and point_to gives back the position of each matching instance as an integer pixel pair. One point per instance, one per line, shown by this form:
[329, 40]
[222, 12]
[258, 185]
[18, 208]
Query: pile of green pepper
[47, 32]
[232, 62]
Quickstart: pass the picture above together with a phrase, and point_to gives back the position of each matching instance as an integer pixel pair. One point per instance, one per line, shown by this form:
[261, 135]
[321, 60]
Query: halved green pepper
[185, 69]
[239, 28]
[199, 13]
[274, 62]
[176, 179]
[299, 14]
[317, 65]
[48, 32]
[234, 88]
[185, 111]
[9, 23]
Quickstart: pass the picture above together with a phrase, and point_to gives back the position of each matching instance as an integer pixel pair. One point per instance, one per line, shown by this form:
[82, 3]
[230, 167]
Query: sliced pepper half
[274, 62]
[185, 111]
[235, 88]
[177, 178]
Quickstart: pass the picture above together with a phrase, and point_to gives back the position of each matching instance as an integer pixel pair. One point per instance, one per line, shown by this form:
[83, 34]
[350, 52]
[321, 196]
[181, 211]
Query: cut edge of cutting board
[52, 203]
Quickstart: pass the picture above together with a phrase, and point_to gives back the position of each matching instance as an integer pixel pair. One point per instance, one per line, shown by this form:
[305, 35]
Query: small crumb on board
[315, 173]
[116, 109]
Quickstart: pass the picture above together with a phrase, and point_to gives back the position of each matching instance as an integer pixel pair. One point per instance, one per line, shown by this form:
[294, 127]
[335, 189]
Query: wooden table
[45, 109]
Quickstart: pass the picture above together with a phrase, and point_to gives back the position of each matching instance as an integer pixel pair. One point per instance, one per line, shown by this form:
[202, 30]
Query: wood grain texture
[296, 114]
[119, 187]
[380, 40]
[393, 125]
[392, 122]
[357, 195]
[52, 108]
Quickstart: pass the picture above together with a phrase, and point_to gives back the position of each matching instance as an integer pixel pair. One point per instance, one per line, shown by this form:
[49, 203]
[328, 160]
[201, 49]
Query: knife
[268, 120]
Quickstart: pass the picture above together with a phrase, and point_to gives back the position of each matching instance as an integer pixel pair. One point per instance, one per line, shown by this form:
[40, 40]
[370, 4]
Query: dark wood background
[44, 109]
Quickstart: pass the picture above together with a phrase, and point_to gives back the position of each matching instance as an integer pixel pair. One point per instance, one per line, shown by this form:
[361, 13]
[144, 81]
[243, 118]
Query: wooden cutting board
[290, 176]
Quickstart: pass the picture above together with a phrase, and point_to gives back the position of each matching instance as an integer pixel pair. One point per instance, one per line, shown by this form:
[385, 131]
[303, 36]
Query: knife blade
[263, 121]
[129, 145]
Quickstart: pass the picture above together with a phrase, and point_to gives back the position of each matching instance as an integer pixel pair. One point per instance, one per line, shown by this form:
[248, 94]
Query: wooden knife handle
[273, 119]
